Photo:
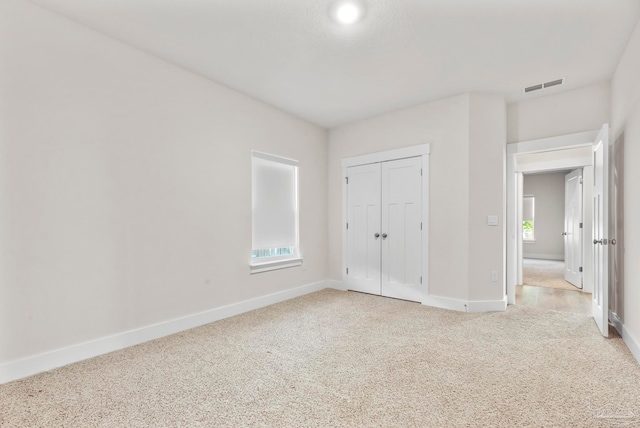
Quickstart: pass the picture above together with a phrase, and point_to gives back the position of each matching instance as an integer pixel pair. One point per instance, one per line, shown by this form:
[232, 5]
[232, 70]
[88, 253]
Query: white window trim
[283, 263]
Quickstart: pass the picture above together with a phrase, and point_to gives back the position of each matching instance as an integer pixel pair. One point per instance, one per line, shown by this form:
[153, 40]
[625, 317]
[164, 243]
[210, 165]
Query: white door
[573, 227]
[363, 228]
[384, 236]
[600, 306]
[401, 229]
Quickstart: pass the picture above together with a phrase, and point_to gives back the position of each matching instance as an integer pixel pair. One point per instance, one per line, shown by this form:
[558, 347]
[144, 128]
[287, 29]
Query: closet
[385, 228]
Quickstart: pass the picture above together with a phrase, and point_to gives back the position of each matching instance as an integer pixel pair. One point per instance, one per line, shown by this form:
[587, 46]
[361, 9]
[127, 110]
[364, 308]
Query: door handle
[384, 236]
[613, 242]
[377, 235]
[564, 234]
[602, 241]
[596, 242]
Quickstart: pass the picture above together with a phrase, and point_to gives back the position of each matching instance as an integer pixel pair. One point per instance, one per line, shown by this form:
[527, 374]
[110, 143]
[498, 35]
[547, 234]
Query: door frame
[423, 151]
[514, 193]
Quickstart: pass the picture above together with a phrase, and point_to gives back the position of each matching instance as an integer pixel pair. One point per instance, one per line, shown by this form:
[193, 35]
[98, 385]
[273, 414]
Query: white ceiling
[290, 54]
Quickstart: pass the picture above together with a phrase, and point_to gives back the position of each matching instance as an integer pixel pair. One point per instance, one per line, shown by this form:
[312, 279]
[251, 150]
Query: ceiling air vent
[533, 88]
[554, 83]
[543, 85]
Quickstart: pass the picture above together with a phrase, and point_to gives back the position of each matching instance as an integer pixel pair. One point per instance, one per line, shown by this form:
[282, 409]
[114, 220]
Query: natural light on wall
[274, 192]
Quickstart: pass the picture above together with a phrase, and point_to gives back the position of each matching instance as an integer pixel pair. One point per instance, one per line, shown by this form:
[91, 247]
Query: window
[528, 212]
[274, 190]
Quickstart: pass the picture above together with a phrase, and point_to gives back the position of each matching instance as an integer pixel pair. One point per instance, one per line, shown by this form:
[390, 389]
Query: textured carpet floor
[545, 273]
[346, 359]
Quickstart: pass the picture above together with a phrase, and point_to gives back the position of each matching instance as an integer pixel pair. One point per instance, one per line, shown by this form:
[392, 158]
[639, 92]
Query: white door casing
[401, 229]
[600, 304]
[363, 228]
[573, 227]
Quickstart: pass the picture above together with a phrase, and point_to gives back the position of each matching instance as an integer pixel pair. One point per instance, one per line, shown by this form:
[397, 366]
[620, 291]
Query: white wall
[467, 156]
[487, 140]
[548, 190]
[563, 113]
[126, 187]
[444, 124]
[625, 122]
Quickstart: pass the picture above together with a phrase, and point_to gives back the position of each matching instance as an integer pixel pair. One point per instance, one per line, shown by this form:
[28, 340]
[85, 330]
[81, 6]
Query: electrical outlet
[494, 276]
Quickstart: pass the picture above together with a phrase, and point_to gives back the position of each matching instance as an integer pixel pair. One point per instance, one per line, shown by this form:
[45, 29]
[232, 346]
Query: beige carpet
[347, 359]
[545, 273]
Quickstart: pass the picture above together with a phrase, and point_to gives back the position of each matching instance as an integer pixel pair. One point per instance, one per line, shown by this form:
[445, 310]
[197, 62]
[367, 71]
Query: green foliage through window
[527, 230]
[272, 252]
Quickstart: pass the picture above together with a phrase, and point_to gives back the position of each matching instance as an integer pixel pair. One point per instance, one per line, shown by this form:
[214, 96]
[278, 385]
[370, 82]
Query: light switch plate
[492, 220]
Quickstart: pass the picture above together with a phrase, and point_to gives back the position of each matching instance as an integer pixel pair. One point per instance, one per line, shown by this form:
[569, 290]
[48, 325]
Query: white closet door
[363, 222]
[401, 233]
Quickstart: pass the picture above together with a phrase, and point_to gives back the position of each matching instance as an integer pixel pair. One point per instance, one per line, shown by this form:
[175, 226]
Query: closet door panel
[401, 229]
[363, 219]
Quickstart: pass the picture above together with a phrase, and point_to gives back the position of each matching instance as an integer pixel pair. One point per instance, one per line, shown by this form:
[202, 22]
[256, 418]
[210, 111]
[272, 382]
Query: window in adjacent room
[528, 213]
[274, 190]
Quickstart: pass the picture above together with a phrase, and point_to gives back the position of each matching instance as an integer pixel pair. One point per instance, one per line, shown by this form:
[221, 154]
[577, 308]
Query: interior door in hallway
[401, 229]
[573, 227]
[363, 228]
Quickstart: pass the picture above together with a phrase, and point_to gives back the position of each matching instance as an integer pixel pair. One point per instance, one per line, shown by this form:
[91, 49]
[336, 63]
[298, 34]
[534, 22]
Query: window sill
[275, 264]
[528, 241]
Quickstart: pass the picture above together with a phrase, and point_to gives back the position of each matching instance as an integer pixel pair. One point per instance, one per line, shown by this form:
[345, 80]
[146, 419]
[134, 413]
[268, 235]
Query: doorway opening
[589, 150]
[552, 253]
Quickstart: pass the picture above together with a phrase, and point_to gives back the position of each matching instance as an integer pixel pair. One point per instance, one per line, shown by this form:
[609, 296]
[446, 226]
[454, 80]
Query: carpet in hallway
[545, 273]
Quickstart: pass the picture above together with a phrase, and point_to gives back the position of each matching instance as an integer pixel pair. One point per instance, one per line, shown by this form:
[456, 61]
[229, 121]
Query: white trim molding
[401, 153]
[488, 305]
[553, 143]
[336, 285]
[275, 264]
[632, 343]
[28, 366]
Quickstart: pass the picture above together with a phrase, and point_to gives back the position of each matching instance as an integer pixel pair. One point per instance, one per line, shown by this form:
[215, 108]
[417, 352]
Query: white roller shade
[528, 208]
[275, 201]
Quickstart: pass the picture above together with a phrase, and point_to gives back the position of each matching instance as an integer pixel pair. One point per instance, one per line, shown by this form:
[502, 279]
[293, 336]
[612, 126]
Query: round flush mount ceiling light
[347, 12]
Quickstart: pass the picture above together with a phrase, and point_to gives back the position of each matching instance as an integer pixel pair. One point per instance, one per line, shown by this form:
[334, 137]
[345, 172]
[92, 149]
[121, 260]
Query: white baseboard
[466, 306]
[446, 303]
[632, 343]
[488, 305]
[336, 285]
[35, 364]
[541, 256]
